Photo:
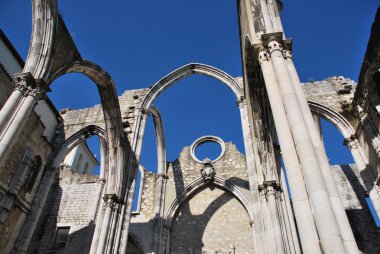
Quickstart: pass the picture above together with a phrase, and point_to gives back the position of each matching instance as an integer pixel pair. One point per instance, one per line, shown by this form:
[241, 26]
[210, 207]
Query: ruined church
[281, 196]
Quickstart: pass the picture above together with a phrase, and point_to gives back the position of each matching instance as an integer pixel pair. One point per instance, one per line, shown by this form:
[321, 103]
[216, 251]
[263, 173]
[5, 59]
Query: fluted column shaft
[302, 209]
[102, 240]
[271, 189]
[326, 222]
[258, 226]
[32, 90]
[315, 136]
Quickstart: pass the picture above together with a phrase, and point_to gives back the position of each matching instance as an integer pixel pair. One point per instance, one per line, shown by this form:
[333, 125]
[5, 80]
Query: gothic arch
[198, 184]
[73, 141]
[118, 145]
[160, 140]
[185, 71]
[334, 117]
[45, 21]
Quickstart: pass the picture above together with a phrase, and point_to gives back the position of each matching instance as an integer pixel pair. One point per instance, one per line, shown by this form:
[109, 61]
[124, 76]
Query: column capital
[269, 188]
[241, 102]
[274, 45]
[351, 142]
[109, 200]
[162, 176]
[30, 86]
[143, 112]
[263, 55]
[287, 54]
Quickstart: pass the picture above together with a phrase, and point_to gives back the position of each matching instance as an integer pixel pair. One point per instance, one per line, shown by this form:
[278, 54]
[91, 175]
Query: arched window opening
[210, 112]
[32, 174]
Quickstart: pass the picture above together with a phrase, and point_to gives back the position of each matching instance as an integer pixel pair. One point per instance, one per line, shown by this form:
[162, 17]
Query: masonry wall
[74, 202]
[210, 221]
[353, 194]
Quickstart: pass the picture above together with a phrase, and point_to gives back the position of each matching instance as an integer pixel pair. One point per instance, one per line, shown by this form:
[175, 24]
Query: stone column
[115, 212]
[104, 232]
[353, 144]
[288, 217]
[326, 222]
[21, 80]
[302, 210]
[258, 227]
[9, 136]
[271, 191]
[103, 159]
[316, 140]
[126, 214]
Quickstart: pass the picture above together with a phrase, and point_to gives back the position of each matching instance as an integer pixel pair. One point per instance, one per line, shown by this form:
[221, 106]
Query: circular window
[207, 146]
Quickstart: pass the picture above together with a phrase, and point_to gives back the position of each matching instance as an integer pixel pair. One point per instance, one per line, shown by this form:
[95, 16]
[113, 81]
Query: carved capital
[241, 102]
[274, 44]
[269, 188]
[29, 86]
[143, 112]
[263, 55]
[109, 200]
[351, 142]
[287, 54]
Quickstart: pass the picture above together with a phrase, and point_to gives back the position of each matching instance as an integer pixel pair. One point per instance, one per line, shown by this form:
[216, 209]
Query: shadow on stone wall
[198, 223]
[43, 238]
[367, 234]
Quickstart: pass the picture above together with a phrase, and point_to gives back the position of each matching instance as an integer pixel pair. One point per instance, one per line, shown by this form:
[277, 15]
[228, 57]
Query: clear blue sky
[138, 42]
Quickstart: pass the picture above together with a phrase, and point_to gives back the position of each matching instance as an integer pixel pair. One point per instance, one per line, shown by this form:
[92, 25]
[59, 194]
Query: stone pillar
[104, 232]
[326, 222]
[316, 140]
[302, 210]
[288, 217]
[353, 144]
[126, 214]
[35, 90]
[258, 227]
[103, 159]
[115, 212]
[270, 190]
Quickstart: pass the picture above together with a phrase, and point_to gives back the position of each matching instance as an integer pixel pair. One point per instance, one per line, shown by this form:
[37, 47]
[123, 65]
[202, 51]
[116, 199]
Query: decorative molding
[206, 139]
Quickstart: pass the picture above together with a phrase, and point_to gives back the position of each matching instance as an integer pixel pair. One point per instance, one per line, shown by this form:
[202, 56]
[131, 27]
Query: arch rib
[118, 145]
[192, 188]
[185, 71]
[334, 117]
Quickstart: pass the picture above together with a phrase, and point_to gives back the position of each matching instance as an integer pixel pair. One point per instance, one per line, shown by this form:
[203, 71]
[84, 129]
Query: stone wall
[211, 220]
[335, 93]
[75, 120]
[74, 203]
[353, 194]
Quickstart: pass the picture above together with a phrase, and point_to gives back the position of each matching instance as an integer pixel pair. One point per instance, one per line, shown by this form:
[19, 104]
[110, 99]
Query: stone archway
[209, 214]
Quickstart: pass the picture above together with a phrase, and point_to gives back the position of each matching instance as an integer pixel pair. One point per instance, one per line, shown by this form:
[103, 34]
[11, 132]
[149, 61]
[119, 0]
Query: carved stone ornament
[231, 250]
[274, 45]
[29, 86]
[287, 54]
[263, 55]
[208, 172]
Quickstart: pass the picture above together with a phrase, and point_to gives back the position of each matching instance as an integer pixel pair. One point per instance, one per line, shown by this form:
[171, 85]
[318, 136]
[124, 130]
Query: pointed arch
[334, 117]
[45, 22]
[185, 71]
[198, 184]
[118, 145]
